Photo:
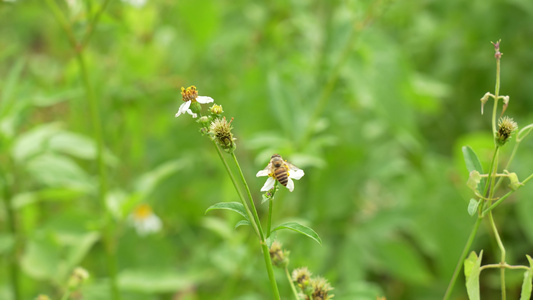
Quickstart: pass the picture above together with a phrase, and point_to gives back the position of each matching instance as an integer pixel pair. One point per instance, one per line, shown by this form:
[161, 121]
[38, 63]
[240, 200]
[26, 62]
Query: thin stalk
[254, 220]
[270, 207]
[94, 113]
[264, 246]
[495, 204]
[462, 258]
[269, 220]
[502, 257]
[496, 96]
[107, 230]
[270, 270]
[505, 265]
[234, 181]
[250, 198]
[293, 288]
[14, 270]
[60, 17]
[92, 24]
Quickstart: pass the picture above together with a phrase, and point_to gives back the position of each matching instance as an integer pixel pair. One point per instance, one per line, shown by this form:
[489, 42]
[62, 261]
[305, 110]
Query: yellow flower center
[189, 94]
[142, 212]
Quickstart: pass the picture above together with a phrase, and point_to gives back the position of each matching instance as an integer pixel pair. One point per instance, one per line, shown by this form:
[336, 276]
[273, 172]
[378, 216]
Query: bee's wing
[265, 171]
[294, 171]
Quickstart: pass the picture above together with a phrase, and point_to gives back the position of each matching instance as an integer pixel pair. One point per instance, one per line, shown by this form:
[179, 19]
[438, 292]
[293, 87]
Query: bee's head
[276, 160]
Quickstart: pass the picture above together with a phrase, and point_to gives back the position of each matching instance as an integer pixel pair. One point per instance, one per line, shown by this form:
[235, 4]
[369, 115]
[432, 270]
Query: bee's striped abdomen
[281, 176]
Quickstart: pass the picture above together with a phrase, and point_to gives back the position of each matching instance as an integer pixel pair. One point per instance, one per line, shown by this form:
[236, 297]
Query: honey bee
[282, 171]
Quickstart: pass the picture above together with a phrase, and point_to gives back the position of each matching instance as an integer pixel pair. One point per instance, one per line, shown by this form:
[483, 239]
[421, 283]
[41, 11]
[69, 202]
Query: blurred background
[373, 99]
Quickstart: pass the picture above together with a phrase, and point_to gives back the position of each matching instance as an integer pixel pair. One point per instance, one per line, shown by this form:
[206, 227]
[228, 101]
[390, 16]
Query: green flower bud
[220, 131]
[302, 277]
[506, 127]
[216, 109]
[77, 278]
[321, 289]
[279, 257]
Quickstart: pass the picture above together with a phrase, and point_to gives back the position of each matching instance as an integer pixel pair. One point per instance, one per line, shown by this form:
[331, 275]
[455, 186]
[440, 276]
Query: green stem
[107, 230]
[495, 204]
[270, 207]
[462, 258]
[505, 265]
[502, 257]
[293, 288]
[92, 24]
[254, 220]
[496, 96]
[235, 184]
[94, 113]
[14, 270]
[250, 198]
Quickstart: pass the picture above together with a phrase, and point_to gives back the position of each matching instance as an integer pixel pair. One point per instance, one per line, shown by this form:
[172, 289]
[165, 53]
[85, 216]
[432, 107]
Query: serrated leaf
[294, 226]
[472, 206]
[233, 206]
[242, 223]
[472, 162]
[525, 294]
[472, 269]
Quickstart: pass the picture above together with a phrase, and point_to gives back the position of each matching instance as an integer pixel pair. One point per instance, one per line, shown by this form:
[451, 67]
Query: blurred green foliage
[373, 99]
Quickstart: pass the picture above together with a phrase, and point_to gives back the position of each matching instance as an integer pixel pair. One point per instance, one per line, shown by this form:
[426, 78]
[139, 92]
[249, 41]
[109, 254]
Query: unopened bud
[302, 277]
[506, 127]
[220, 131]
[78, 276]
[279, 257]
[321, 289]
[216, 109]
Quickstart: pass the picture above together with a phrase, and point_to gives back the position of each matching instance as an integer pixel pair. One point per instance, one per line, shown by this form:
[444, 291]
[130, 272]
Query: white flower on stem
[144, 220]
[282, 171]
[190, 96]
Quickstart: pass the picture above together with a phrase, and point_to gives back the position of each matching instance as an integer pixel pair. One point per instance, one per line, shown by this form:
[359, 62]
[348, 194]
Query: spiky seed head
[506, 127]
[216, 109]
[279, 257]
[220, 131]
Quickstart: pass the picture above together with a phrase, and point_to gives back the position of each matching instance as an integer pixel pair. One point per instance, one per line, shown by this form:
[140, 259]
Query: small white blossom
[276, 162]
[189, 96]
[144, 220]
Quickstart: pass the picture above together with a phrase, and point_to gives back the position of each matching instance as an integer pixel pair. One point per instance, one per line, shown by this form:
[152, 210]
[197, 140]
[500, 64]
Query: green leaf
[233, 206]
[472, 206]
[294, 226]
[153, 281]
[241, 223]
[55, 170]
[472, 162]
[472, 269]
[526, 285]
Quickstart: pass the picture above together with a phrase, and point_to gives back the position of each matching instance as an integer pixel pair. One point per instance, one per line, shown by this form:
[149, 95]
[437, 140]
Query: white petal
[191, 113]
[264, 172]
[296, 174]
[204, 99]
[183, 108]
[269, 184]
[290, 184]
